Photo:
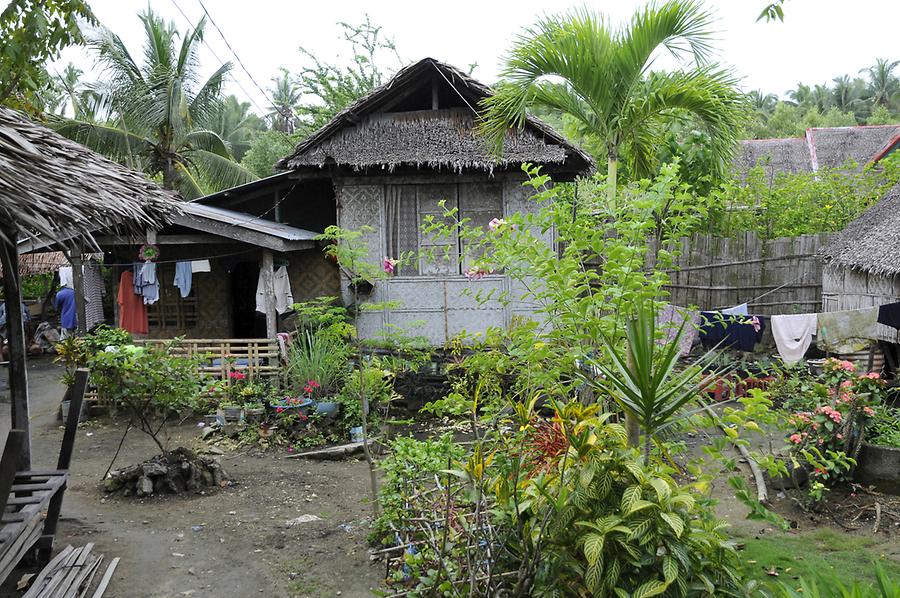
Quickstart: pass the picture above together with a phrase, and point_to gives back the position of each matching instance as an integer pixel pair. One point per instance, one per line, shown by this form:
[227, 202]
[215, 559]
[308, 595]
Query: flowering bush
[828, 436]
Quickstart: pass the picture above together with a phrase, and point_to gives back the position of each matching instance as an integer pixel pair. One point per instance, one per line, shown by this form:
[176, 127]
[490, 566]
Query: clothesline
[769, 292]
[191, 259]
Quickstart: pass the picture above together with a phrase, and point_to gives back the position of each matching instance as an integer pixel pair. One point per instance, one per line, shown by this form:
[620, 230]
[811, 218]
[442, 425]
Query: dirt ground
[233, 542]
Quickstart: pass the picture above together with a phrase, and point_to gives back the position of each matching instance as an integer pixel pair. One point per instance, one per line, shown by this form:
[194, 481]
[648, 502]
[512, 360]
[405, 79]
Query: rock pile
[175, 472]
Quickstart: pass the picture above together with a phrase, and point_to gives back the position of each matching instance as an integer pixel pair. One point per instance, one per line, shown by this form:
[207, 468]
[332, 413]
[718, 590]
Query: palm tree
[285, 97]
[883, 86]
[801, 96]
[763, 103]
[157, 114]
[846, 93]
[821, 98]
[579, 65]
[236, 125]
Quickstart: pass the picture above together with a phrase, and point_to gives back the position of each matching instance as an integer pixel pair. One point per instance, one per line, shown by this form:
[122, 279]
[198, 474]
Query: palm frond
[113, 142]
[218, 171]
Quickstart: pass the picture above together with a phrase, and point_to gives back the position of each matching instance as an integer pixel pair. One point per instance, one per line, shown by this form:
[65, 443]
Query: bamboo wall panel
[716, 273]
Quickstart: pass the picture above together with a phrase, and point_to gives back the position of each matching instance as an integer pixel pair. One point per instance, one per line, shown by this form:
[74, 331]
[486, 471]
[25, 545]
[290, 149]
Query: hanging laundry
[183, 278]
[94, 289]
[737, 310]
[889, 314]
[283, 340]
[846, 331]
[138, 278]
[149, 283]
[66, 278]
[793, 335]
[68, 313]
[670, 320]
[132, 311]
[727, 330]
[284, 298]
[200, 266]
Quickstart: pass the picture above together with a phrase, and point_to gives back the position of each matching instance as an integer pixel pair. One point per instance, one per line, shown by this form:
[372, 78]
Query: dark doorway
[248, 323]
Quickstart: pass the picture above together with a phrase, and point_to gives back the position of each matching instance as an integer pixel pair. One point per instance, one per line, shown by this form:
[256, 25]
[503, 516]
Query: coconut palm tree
[236, 125]
[156, 114]
[578, 64]
[285, 97]
[764, 103]
[884, 85]
[800, 96]
[847, 93]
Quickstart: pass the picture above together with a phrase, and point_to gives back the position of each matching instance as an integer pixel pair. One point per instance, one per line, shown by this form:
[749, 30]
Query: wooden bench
[25, 496]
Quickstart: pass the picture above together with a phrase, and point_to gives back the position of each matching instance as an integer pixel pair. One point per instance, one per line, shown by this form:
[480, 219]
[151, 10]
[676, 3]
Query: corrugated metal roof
[249, 222]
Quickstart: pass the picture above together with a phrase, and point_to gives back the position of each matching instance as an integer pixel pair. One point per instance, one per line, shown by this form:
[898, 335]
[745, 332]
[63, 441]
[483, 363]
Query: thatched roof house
[871, 243]
[387, 162]
[425, 117]
[828, 147]
[56, 190]
[862, 262]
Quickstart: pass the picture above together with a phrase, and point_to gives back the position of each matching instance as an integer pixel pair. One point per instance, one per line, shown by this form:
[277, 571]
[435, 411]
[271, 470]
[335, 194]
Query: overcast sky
[820, 39]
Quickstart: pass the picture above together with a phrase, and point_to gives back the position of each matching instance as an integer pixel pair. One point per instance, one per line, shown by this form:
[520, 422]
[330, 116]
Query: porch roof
[245, 228]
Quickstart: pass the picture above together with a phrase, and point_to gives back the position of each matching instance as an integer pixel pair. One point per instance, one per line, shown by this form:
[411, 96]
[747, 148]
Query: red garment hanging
[132, 311]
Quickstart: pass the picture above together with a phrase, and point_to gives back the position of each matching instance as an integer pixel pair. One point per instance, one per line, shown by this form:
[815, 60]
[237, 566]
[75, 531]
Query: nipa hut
[862, 262]
[55, 191]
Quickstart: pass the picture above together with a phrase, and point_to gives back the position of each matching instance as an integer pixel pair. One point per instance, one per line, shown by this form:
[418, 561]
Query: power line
[216, 56]
[238, 58]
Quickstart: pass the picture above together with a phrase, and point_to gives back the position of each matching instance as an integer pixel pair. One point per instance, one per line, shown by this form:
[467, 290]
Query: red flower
[237, 375]
[279, 409]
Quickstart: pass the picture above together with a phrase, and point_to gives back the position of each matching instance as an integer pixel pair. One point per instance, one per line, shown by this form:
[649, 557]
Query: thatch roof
[832, 147]
[367, 135]
[871, 242]
[827, 147]
[54, 188]
[789, 155]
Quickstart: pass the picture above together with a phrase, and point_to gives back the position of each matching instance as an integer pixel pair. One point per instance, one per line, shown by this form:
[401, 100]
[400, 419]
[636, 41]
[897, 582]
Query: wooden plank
[18, 372]
[267, 272]
[14, 442]
[59, 575]
[38, 582]
[107, 577]
[13, 551]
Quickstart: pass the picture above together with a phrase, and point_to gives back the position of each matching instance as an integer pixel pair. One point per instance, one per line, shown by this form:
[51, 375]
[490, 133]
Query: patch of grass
[823, 552]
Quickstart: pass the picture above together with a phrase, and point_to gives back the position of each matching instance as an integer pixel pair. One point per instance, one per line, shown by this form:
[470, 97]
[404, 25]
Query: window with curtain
[407, 208]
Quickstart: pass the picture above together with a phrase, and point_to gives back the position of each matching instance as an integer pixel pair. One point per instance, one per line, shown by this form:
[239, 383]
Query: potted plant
[254, 411]
[232, 412]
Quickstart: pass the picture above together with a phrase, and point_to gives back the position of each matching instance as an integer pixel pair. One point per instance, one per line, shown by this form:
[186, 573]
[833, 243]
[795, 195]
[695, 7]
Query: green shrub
[319, 356]
[372, 383]
[150, 384]
[825, 586]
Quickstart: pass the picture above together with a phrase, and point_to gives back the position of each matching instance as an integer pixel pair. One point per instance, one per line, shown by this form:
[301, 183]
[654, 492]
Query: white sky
[820, 39]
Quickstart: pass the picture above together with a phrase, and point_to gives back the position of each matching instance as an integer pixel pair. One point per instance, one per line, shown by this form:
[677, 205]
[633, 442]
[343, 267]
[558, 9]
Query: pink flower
[840, 436]
[754, 321]
[795, 438]
[846, 384]
[477, 272]
[872, 376]
[848, 366]
[290, 449]
[496, 223]
[869, 411]
[388, 265]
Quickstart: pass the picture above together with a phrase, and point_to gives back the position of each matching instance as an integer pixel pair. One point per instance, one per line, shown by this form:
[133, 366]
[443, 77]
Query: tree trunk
[612, 155]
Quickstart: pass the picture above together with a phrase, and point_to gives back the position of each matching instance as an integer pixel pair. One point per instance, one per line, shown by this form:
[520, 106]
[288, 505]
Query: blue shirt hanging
[183, 277]
[65, 304]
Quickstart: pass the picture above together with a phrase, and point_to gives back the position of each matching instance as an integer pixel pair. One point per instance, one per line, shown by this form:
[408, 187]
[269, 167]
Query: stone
[154, 469]
[302, 519]
[112, 484]
[144, 486]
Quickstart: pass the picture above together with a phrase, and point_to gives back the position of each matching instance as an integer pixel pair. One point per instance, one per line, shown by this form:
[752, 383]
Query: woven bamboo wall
[312, 275]
[715, 272]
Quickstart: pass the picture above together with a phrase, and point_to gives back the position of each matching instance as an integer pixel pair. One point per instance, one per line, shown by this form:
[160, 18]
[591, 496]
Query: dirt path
[234, 542]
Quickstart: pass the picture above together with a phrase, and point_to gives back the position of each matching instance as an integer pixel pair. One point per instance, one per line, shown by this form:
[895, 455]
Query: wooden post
[267, 272]
[18, 372]
[78, 286]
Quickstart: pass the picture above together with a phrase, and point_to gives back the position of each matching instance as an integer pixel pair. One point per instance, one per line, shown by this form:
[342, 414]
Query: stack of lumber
[70, 575]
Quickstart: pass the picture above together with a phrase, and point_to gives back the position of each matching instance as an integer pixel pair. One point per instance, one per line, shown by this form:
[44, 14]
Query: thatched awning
[54, 188]
[372, 133]
[870, 243]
